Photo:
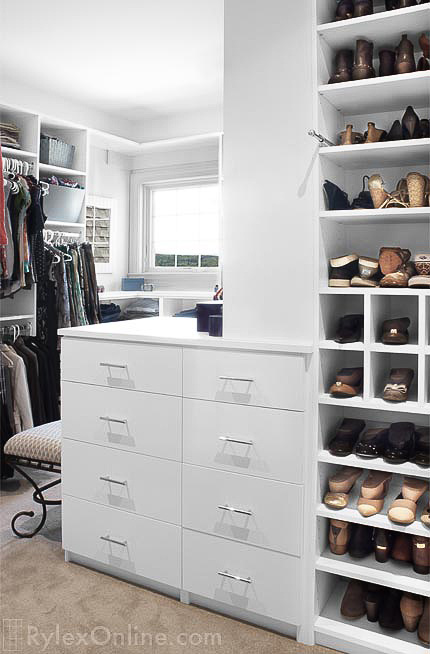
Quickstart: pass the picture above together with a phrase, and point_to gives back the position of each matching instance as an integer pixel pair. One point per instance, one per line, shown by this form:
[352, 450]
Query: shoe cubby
[391, 574]
[381, 364]
[334, 307]
[360, 634]
[330, 418]
[388, 307]
[381, 100]
[331, 361]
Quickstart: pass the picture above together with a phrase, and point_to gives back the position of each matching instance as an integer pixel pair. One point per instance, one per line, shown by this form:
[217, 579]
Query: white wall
[109, 176]
[268, 170]
[179, 125]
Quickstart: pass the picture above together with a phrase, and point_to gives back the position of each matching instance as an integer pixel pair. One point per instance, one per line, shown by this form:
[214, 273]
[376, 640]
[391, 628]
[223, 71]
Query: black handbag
[364, 199]
[336, 198]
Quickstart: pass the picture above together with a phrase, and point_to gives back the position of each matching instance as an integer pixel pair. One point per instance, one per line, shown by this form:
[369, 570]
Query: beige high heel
[378, 193]
[349, 137]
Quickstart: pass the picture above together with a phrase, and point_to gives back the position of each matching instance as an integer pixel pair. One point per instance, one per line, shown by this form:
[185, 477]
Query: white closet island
[184, 464]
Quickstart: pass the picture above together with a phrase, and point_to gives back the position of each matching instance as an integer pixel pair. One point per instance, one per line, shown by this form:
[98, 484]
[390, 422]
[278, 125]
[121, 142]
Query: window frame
[148, 227]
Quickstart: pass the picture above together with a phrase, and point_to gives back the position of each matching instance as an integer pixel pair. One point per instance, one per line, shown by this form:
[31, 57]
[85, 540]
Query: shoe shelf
[394, 574]
[408, 469]
[384, 26]
[391, 93]
[375, 291]
[380, 520]
[376, 404]
[377, 216]
[361, 634]
[373, 155]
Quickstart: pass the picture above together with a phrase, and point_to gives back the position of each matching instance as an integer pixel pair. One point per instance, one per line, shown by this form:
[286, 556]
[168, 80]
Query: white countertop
[177, 331]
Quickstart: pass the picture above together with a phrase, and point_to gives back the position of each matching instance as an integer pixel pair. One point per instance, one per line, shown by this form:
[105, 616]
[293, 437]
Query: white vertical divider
[367, 362]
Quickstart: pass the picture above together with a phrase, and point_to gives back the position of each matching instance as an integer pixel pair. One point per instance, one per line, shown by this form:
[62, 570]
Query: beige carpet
[66, 602]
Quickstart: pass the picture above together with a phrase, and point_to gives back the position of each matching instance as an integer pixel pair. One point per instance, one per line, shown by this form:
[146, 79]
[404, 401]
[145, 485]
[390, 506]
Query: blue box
[132, 283]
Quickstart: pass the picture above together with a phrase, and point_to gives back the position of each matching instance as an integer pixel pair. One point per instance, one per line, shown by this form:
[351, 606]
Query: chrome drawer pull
[123, 543]
[226, 507]
[239, 379]
[113, 365]
[113, 481]
[228, 439]
[107, 419]
[246, 580]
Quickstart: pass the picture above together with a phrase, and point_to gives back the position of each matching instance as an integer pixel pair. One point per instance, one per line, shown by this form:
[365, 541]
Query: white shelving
[361, 633]
[394, 574]
[385, 154]
[409, 469]
[380, 100]
[58, 170]
[378, 216]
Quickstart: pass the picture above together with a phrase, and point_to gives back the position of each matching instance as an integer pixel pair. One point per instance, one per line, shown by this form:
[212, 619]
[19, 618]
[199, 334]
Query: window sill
[191, 273]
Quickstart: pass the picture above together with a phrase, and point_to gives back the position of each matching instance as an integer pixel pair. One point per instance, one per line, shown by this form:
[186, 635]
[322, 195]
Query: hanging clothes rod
[17, 329]
[11, 165]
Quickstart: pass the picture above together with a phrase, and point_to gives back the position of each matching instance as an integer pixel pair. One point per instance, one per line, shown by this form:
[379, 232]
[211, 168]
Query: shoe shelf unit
[380, 100]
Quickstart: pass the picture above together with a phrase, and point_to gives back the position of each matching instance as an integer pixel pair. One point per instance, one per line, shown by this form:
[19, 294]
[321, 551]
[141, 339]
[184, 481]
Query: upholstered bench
[38, 448]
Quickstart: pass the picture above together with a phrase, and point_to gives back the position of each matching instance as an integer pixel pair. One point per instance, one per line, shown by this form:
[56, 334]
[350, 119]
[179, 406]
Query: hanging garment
[22, 414]
[3, 236]
[32, 368]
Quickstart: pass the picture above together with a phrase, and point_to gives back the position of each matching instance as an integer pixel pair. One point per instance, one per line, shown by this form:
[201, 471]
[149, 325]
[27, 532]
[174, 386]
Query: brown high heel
[348, 137]
[405, 60]
[373, 134]
[411, 126]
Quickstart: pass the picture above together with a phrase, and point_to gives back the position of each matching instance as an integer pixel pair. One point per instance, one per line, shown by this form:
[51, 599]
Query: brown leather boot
[424, 625]
[363, 8]
[387, 59]
[391, 4]
[405, 60]
[402, 4]
[343, 67]
[363, 64]
[348, 137]
[412, 608]
[345, 10]
[421, 554]
[425, 44]
[373, 134]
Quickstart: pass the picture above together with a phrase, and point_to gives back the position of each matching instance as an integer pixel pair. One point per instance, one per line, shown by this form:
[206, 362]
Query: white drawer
[273, 589]
[251, 440]
[140, 484]
[267, 513]
[145, 547]
[259, 379]
[141, 422]
[153, 368]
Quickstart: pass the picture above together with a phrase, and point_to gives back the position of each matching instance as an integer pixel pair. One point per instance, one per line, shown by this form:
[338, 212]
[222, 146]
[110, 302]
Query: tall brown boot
[405, 60]
[363, 65]
[363, 8]
[373, 134]
[387, 59]
[343, 67]
[349, 137]
[425, 44]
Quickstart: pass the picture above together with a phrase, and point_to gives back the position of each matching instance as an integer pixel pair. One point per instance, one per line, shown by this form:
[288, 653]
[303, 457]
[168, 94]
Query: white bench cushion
[42, 443]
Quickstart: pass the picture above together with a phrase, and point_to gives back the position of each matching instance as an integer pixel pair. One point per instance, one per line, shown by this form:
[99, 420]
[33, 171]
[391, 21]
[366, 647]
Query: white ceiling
[136, 59]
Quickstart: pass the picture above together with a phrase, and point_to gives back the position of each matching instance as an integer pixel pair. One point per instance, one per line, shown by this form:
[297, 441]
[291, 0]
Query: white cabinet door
[271, 581]
[125, 542]
[259, 379]
[256, 511]
[124, 480]
[128, 420]
[250, 440]
[153, 368]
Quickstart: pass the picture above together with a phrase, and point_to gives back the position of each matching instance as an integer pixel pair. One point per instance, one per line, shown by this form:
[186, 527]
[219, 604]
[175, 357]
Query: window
[183, 226]
[98, 231]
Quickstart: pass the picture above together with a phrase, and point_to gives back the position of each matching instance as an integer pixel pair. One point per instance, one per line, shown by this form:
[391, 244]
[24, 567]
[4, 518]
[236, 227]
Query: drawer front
[139, 484]
[274, 579]
[266, 513]
[140, 422]
[144, 547]
[251, 440]
[269, 380]
[153, 368]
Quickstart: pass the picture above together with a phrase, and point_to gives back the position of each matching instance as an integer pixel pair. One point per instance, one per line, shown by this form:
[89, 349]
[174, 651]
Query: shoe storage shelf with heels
[372, 93]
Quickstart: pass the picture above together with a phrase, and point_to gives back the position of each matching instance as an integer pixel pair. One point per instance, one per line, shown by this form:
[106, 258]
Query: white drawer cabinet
[124, 480]
[125, 542]
[250, 440]
[152, 368]
[256, 511]
[258, 379]
[140, 422]
[271, 585]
